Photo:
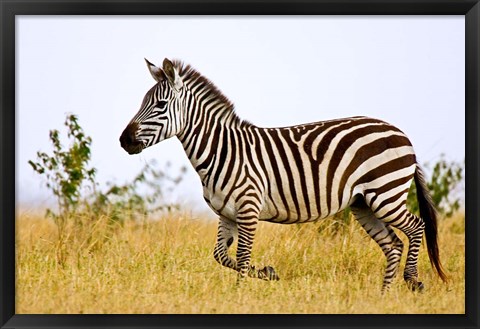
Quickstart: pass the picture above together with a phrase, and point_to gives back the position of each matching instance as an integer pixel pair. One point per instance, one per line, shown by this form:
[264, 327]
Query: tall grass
[166, 266]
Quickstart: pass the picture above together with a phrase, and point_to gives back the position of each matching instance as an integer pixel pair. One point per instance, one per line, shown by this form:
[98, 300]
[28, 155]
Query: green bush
[66, 170]
[73, 183]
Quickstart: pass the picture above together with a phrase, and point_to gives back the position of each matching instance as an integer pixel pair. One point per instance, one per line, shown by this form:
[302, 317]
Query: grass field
[167, 266]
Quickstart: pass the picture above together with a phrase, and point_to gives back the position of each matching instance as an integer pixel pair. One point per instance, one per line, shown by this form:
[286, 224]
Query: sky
[278, 71]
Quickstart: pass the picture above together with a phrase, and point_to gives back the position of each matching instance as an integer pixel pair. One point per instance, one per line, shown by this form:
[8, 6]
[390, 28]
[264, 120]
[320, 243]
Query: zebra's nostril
[128, 139]
[125, 140]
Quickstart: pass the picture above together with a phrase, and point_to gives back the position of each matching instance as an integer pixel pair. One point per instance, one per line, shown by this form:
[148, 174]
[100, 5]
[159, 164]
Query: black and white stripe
[287, 175]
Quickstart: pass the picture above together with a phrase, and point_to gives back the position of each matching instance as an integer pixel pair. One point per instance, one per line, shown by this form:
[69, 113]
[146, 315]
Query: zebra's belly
[285, 210]
[275, 210]
[278, 213]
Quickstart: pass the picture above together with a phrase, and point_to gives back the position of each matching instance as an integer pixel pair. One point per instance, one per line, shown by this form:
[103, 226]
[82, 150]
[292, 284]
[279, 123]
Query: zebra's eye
[161, 104]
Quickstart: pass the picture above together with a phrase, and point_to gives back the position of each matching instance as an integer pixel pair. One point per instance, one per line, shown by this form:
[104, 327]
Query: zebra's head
[160, 115]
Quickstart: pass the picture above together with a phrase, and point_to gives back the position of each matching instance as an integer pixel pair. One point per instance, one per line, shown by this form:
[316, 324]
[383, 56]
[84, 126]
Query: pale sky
[278, 71]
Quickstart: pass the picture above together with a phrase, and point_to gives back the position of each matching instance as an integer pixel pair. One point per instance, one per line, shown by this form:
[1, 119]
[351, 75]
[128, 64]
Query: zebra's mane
[190, 75]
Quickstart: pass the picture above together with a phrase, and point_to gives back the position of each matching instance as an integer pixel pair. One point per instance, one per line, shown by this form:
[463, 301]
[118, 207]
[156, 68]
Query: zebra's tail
[429, 216]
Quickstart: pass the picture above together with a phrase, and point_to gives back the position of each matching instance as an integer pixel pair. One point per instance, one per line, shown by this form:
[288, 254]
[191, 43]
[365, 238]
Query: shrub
[66, 170]
[76, 190]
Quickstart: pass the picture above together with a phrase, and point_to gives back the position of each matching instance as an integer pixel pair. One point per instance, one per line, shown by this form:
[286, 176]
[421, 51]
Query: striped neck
[208, 115]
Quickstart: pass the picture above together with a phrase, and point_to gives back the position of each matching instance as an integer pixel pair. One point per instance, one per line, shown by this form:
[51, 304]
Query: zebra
[288, 175]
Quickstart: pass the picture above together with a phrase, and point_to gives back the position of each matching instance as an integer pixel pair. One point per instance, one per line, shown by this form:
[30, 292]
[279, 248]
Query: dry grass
[166, 266]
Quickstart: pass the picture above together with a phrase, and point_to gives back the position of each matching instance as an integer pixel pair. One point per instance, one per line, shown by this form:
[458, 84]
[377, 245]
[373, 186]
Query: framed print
[127, 205]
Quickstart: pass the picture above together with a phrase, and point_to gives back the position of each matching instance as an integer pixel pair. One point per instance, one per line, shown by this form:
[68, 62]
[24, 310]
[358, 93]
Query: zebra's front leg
[247, 227]
[225, 237]
[227, 230]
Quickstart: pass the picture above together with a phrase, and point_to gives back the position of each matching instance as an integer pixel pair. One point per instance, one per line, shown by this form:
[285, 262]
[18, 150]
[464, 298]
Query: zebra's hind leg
[413, 227]
[383, 235]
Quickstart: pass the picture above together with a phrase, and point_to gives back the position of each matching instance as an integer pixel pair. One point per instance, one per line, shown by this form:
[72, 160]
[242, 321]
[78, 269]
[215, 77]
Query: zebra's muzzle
[129, 141]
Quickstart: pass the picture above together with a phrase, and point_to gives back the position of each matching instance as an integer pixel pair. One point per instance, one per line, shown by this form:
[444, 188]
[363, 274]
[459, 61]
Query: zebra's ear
[172, 74]
[156, 72]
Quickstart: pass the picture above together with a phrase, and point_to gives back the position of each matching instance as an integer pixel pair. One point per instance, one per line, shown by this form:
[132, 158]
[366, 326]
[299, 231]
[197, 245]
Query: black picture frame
[11, 8]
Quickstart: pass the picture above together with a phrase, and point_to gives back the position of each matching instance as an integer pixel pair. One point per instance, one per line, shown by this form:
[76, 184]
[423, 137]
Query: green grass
[167, 266]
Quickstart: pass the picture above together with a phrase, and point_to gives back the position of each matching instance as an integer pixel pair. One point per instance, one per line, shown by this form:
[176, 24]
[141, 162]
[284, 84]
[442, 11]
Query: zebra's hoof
[268, 274]
[417, 286]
